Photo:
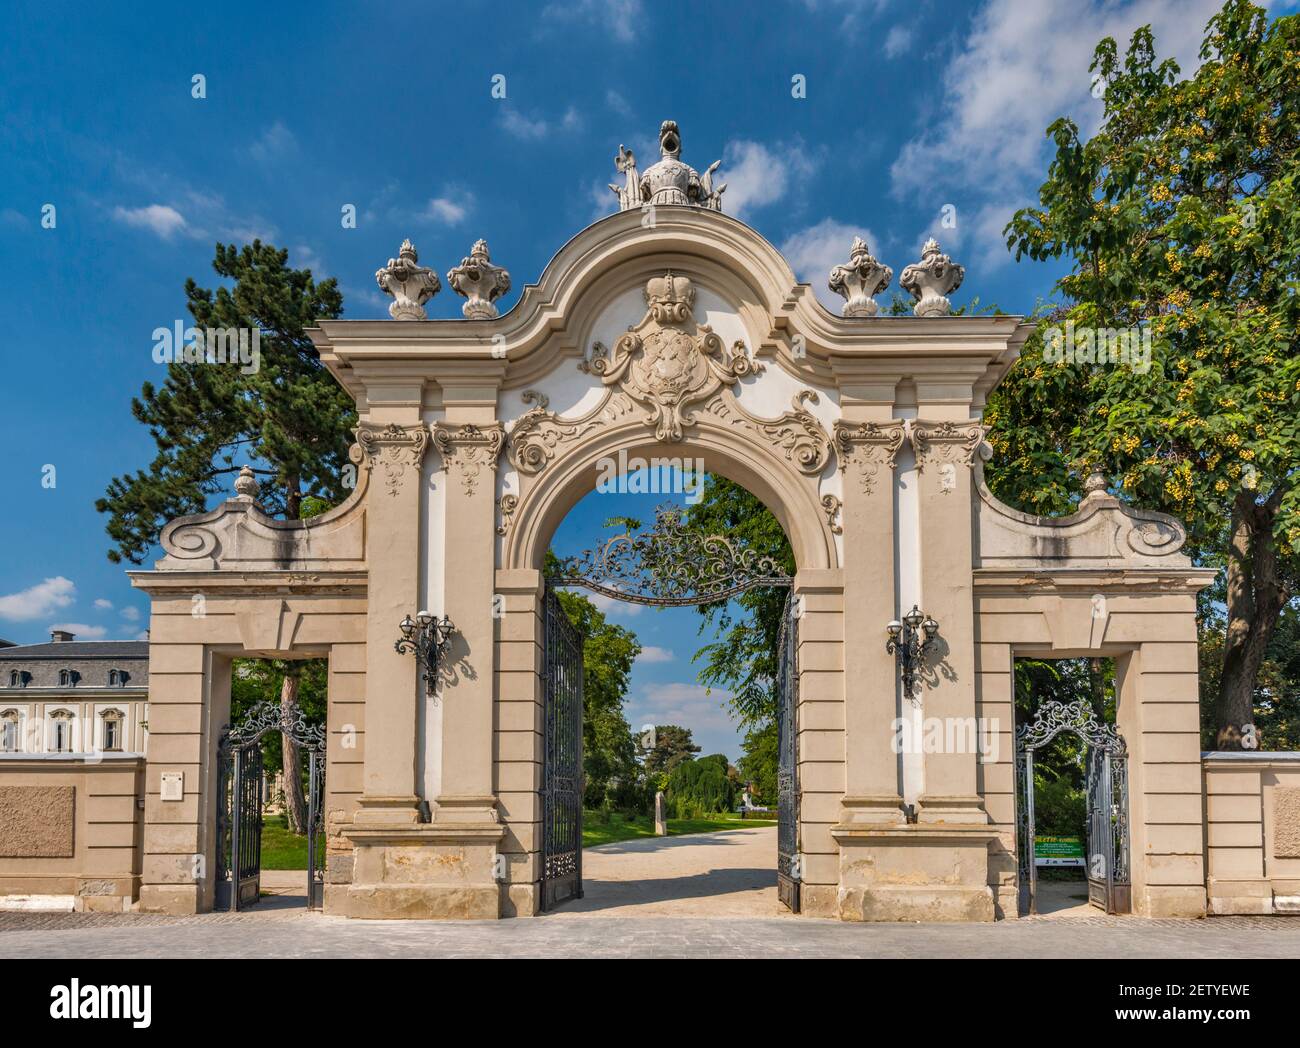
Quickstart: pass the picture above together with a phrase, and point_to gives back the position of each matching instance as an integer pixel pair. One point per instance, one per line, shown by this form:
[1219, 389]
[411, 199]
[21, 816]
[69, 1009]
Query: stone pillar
[661, 815]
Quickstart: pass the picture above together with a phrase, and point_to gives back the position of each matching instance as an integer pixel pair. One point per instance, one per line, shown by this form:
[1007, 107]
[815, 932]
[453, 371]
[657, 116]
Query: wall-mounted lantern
[908, 641]
[426, 637]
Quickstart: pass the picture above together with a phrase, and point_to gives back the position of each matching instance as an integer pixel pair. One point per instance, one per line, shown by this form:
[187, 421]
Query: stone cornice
[166, 583]
[1089, 580]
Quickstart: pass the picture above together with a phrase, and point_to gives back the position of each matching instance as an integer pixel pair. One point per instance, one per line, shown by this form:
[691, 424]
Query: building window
[112, 730]
[9, 731]
[15, 679]
[61, 731]
[65, 678]
[114, 679]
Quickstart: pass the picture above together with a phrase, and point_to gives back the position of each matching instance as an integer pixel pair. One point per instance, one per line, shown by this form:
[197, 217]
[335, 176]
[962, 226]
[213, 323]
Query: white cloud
[622, 19]
[276, 142]
[898, 40]
[814, 251]
[757, 176]
[651, 653]
[103, 605]
[162, 219]
[37, 601]
[518, 125]
[81, 630]
[983, 146]
[614, 608]
[617, 102]
[450, 209]
[304, 257]
[131, 614]
[142, 635]
[686, 703]
[852, 12]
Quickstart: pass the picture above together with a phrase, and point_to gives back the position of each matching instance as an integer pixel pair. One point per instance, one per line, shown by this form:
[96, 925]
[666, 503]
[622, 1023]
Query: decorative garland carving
[670, 565]
[469, 448]
[393, 447]
[667, 362]
[953, 442]
[868, 445]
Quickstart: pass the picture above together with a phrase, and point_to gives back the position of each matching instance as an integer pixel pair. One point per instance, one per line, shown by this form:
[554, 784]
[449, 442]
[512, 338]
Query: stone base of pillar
[949, 810]
[387, 811]
[425, 871]
[1169, 901]
[885, 809]
[169, 898]
[916, 872]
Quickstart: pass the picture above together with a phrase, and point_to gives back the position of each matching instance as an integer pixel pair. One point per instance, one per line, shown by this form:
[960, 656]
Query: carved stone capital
[468, 449]
[481, 282]
[860, 278]
[394, 448]
[932, 280]
[956, 443]
[867, 446]
[410, 284]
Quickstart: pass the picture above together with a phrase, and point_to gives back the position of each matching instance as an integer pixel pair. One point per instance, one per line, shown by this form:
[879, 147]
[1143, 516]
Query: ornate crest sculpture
[861, 278]
[670, 181]
[932, 280]
[410, 284]
[481, 282]
[667, 362]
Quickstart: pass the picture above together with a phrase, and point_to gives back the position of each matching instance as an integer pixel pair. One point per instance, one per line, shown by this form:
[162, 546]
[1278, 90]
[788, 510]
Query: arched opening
[669, 771]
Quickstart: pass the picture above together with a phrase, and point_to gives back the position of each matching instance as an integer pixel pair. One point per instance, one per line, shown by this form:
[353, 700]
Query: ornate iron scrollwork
[1052, 718]
[670, 565]
[272, 716]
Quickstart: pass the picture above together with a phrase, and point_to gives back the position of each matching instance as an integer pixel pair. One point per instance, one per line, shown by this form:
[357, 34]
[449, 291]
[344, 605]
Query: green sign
[1058, 851]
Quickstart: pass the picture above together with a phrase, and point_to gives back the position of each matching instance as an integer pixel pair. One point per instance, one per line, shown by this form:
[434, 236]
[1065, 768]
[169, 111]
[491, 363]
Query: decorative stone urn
[932, 280]
[481, 282]
[410, 284]
[859, 279]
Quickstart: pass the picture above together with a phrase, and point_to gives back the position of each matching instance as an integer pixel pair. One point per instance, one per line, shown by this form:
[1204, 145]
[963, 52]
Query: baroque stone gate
[670, 330]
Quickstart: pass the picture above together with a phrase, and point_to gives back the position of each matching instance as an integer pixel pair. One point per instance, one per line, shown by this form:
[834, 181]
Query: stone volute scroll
[946, 443]
[932, 280]
[398, 451]
[866, 446]
[667, 362]
[410, 284]
[480, 281]
[469, 449]
[860, 278]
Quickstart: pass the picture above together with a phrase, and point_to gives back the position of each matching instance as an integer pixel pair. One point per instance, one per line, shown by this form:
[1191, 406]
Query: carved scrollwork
[952, 442]
[538, 433]
[666, 363]
[670, 565]
[1078, 717]
[507, 504]
[468, 448]
[394, 448]
[1153, 536]
[798, 433]
[272, 716]
[831, 507]
[868, 446]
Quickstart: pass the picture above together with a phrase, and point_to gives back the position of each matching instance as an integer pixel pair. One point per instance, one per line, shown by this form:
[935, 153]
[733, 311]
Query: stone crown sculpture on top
[670, 181]
[410, 284]
[859, 279]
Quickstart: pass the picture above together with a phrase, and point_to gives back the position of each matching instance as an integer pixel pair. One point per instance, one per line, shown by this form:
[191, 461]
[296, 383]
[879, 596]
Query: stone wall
[70, 832]
[1252, 832]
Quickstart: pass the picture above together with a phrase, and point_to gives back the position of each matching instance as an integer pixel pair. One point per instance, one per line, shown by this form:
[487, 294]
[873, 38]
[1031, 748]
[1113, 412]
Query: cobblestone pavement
[296, 934]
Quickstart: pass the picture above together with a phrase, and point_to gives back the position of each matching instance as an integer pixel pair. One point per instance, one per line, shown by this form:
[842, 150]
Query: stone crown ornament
[481, 282]
[410, 284]
[859, 279]
[932, 280]
[670, 181]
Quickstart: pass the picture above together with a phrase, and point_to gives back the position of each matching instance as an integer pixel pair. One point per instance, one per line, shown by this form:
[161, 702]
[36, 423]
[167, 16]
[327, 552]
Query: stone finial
[246, 486]
[860, 278]
[1094, 485]
[932, 280]
[410, 284]
[479, 281]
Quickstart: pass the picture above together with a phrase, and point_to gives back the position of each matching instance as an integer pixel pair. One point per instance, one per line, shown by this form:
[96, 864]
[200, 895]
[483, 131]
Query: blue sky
[912, 110]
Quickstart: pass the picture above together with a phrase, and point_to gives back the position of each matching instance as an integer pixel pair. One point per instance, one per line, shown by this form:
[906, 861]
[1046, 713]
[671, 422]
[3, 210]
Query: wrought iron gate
[562, 780]
[240, 799]
[788, 863]
[1107, 856]
[667, 565]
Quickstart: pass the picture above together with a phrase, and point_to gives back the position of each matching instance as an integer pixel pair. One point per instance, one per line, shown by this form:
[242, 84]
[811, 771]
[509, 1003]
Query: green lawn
[595, 830]
[282, 850]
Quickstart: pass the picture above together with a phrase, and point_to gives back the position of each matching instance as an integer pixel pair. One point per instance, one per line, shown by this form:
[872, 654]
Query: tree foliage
[290, 419]
[1179, 216]
[673, 745]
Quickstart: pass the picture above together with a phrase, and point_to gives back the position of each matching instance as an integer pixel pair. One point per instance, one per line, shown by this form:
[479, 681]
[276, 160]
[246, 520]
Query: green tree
[673, 745]
[609, 757]
[759, 761]
[743, 661]
[288, 419]
[1179, 217]
[700, 787]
